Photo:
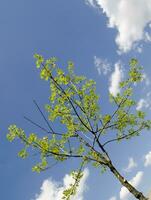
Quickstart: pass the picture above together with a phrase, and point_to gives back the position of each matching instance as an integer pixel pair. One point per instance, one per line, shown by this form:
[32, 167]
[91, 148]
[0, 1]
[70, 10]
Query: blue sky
[100, 38]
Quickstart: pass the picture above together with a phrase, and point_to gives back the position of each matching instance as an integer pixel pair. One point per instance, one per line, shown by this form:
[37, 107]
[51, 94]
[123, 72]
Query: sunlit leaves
[106, 119]
[140, 114]
[70, 95]
[15, 132]
[45, 73]
[133, 62]
[32, 138]
[40, 166]
[72, 189]
[39, 60]
[135, 71]
[23, 153]
[80, 150]
[74, 105]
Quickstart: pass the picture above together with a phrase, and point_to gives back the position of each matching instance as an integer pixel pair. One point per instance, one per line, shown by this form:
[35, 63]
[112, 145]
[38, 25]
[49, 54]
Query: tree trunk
[125, 183]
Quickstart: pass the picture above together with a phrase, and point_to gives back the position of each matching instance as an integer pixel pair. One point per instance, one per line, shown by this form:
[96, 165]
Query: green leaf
[23, 153]
[106, 119]
[133, 62]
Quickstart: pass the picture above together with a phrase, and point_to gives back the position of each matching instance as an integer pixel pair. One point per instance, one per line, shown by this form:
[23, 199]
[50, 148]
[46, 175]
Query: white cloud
[147, 159]
[139, 49]
[113, 198]
[147, 37]
[146, 79]
[135, 181]
[129, 17]
[115, 79]
[144, 103]
[51, 190]
[131, 165]
[102, 65]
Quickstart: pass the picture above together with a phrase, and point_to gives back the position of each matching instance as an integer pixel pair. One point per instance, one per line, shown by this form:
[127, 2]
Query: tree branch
[70, 101]
[42, 128]
[123, 137]
[43, 115]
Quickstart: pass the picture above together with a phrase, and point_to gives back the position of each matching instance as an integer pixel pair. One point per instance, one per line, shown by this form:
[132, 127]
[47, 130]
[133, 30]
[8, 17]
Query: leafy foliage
[73, 102]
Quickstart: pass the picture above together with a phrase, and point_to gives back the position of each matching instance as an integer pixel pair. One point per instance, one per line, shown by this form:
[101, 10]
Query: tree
[74, 104]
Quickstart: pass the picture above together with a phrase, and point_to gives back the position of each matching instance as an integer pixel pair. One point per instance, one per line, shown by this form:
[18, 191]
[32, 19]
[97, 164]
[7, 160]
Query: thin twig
[42, 128]
[123, 137]
[43, 115]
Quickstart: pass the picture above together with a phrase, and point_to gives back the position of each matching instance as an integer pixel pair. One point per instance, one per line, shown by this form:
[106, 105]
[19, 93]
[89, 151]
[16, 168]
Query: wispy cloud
[146, 79]
[147, 159]
[115, 79]
[131, 165]
[51, 190]
[129, 17]
[113, 198]
[144, 103]
[135, 181]
[102, 65]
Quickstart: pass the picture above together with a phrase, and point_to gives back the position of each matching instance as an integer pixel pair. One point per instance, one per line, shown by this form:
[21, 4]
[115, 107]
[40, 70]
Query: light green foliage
[73, 103]
[76, 176]
[23, 153]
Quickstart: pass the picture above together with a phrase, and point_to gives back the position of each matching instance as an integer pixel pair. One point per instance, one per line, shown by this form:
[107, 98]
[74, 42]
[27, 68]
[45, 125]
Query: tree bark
[124, 182]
